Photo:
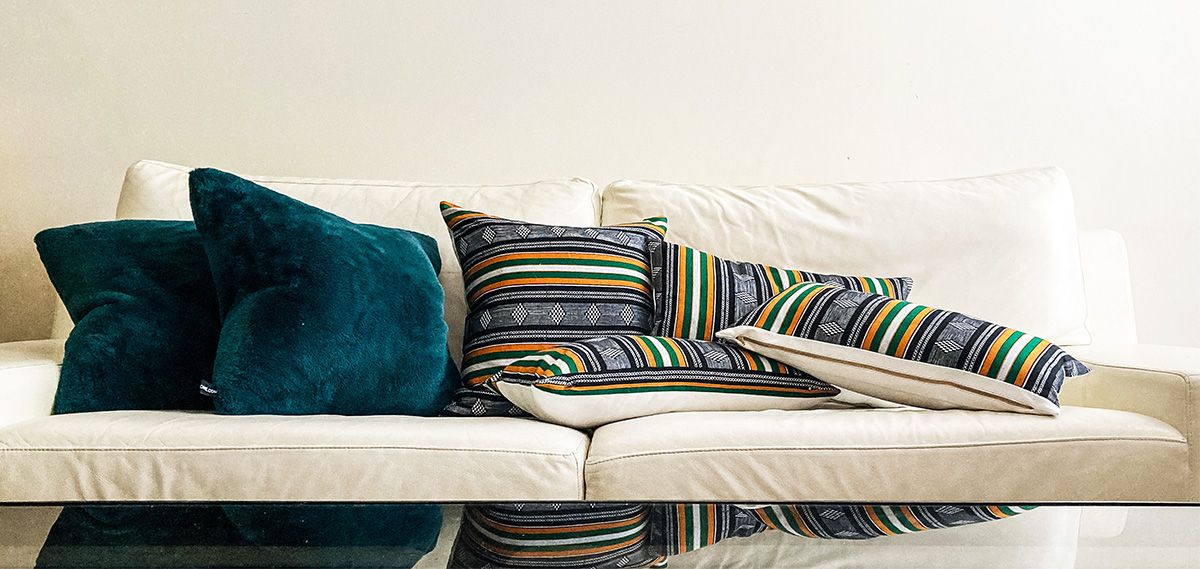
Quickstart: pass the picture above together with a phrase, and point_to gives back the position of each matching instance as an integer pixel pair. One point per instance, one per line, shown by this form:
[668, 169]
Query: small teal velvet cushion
[145, 312]
[320, 314]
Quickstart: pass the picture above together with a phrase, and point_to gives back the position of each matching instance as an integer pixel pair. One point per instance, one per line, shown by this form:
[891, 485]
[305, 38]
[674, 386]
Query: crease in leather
[581, 449]
[28, 366]
[890, 448]
[296, 448]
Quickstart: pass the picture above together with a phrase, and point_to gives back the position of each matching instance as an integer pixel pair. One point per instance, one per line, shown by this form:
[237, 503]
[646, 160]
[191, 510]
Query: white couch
[1001, 247]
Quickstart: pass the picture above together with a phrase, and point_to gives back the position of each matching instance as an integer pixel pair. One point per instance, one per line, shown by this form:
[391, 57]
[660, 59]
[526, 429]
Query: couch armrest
[1158, 381]
[28, 378]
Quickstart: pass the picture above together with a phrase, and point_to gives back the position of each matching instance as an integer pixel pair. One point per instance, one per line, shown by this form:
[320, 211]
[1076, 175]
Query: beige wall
[705, 92]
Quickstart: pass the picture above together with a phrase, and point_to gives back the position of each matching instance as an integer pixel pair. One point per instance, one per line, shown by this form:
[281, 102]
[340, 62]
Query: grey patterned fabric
[615, 536]
[530, 286]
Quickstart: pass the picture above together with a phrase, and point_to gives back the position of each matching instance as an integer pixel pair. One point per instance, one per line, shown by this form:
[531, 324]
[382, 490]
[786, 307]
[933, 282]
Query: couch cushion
[602, 380]
[142, 295]
[319, 314]
[967, 243]
[530, 285]
[157, 190]
[907, 353]
[888, 455]
[697, 294]
[194, 456]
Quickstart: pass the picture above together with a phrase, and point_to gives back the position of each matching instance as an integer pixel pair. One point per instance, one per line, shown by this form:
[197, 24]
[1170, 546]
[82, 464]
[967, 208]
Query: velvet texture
[410, 526]
[145, 312]
[394, 536]
[138, 536]
[320, 315]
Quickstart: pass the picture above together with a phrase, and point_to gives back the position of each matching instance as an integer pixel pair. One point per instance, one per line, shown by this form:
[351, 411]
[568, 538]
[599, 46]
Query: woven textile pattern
[556, 535]
[639, 364]
[905, 330]
[530, 287]
[688, 527]
[866, 522]
[604, 536]
[697, 294]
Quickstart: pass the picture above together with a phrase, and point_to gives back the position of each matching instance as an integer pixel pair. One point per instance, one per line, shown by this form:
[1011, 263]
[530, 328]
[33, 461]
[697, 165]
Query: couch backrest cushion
[157, 190]
[1110, 315]
[968, 243]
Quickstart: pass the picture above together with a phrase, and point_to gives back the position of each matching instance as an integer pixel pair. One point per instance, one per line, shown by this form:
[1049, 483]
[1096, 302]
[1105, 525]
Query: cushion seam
[27, 366]
[297, 448]
[879, 448]
[1187, 377]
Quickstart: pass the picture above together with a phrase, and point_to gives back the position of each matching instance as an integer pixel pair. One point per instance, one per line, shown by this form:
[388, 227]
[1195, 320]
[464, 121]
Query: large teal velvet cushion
[394, 536]
[145, 312]
[320, 315]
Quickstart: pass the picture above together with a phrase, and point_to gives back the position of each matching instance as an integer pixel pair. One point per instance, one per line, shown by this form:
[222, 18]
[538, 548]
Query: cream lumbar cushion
[907, 353]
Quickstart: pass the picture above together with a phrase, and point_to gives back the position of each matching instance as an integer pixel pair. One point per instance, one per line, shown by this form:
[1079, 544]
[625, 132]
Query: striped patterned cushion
[905, 352]
[697, 294]
[688, 527]
[866, 522]
[612, 378]
[530, 287]
[591, 535]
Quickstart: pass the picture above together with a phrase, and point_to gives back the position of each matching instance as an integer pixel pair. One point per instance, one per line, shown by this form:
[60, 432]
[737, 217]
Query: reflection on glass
[307, 535]
[640, 535]
[544, 535]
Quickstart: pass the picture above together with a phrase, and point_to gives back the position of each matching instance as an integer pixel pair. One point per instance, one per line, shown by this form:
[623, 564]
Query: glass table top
[539, 535]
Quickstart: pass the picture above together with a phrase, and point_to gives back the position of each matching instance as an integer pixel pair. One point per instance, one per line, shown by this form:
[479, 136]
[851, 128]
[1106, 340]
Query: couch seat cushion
[195, 456]
[888, 455]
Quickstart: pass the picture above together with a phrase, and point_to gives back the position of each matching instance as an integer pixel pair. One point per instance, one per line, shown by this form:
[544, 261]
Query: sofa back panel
[1110, 315]
[1004, 247]
[157, 190]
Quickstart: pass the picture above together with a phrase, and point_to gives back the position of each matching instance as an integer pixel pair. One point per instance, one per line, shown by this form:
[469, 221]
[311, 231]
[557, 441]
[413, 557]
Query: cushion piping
[1180, 440]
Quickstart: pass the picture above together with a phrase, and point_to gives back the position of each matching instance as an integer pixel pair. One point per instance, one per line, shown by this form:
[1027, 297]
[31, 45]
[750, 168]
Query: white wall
[715, 92]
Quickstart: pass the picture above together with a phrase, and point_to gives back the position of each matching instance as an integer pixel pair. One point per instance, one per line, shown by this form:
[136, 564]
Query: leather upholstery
[157, 190]
[888, 455]
[1156, 381]
[1145, 450]
[28, 378]
[1110, 318]
[192, 456]
[967, 243]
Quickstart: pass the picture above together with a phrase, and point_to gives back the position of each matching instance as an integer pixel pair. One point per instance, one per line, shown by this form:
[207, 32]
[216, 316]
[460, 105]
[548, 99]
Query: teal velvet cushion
[142, 536]
[145, 312]
[407, 531]
[394, 536]
[320, 315]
